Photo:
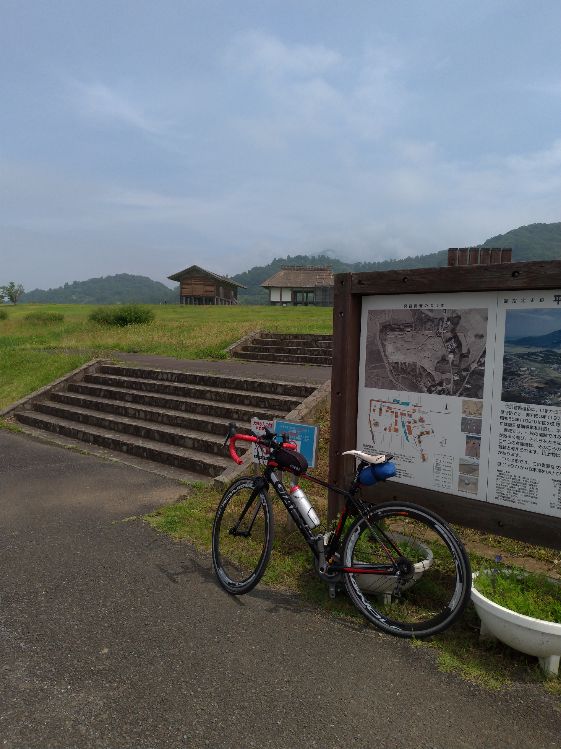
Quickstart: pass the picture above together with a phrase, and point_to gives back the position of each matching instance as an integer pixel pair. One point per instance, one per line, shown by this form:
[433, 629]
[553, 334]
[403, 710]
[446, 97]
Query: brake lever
[232, 429]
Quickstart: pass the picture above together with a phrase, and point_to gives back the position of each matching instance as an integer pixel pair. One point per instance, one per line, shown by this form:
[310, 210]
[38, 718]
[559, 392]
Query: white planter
[383, 585]
[523, 633]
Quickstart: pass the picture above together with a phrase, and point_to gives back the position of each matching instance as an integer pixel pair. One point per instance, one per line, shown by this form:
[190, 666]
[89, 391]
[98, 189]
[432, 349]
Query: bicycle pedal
[332, 590]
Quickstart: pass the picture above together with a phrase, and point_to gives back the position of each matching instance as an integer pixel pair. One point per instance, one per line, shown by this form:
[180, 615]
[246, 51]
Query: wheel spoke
[241, 537]
[428, 583]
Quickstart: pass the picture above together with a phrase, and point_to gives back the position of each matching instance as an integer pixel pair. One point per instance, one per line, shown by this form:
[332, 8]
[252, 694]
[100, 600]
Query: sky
[532, 322]
[143, 137]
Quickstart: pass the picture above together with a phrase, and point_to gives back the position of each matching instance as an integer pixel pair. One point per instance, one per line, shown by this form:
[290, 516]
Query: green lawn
[32, 353]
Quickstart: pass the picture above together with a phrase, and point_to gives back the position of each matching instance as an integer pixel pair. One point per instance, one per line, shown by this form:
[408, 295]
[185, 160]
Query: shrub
[127, 314]
[44, 317]
[3, 314]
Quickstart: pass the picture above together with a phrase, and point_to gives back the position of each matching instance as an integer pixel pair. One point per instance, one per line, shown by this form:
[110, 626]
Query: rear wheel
[410, 574]
[242, 536]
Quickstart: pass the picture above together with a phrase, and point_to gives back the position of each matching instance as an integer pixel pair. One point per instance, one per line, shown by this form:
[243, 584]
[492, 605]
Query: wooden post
[473, 256]
[344, 385]
[484, 256]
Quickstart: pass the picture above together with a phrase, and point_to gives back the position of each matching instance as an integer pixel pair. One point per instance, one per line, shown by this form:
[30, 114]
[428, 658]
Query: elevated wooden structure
[200, 286]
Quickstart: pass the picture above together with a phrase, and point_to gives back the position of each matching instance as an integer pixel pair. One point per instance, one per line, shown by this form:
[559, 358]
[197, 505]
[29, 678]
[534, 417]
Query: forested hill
[252, 278]
[532, 242]
[123, 287]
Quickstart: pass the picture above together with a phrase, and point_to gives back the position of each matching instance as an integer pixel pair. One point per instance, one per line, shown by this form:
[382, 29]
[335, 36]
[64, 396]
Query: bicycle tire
[434, 584]
[241, 550]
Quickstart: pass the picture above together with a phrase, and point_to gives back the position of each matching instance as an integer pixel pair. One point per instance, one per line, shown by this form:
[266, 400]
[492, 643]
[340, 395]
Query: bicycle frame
[315, 542]
[327, 565]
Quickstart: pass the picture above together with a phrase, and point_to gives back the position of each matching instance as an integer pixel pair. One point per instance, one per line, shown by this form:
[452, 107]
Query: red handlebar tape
[250, 438]
[245, 438]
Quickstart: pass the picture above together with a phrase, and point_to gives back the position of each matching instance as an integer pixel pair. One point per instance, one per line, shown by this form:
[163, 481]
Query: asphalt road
[114, 637]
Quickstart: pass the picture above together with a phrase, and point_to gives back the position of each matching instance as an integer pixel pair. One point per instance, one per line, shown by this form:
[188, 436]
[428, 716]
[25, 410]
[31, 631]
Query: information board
[304, 435]
[465, 390]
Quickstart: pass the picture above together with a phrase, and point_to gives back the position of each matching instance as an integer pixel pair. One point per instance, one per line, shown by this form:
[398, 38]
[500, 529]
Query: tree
[11, 292]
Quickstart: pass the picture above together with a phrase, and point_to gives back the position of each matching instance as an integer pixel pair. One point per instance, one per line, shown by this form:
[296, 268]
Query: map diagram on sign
[437, 351]
[401, 426]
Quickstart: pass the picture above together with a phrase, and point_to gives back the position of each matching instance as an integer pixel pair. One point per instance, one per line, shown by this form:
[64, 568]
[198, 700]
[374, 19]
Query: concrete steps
[297, 348]
[165, 416]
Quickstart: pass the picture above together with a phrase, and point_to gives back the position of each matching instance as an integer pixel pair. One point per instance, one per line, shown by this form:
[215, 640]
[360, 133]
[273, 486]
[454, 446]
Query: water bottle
[305, 509]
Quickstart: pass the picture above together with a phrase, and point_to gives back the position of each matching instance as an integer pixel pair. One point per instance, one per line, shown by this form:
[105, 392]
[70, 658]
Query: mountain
[123, 287]
[254, 277]
[549, 341]
[532, 242]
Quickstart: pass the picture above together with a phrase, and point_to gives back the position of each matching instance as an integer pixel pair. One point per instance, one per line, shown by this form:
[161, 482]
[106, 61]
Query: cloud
[546, 88]
[412, 201]
[315, 92]
[544, 163]
[264, 54]
[101, 103]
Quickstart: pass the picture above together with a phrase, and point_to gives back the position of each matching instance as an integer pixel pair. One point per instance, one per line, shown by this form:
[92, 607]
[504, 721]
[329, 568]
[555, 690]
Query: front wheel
[242, 536]
[406, 570]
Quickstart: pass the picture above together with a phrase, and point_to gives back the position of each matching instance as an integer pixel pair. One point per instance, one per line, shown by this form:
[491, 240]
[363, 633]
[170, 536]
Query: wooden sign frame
[350, 288]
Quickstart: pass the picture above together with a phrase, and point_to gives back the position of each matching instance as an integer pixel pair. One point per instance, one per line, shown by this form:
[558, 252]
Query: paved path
[234, 367]
[114, 637]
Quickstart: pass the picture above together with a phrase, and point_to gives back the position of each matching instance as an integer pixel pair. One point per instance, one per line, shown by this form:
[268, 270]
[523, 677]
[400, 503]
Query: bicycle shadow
[276, 601]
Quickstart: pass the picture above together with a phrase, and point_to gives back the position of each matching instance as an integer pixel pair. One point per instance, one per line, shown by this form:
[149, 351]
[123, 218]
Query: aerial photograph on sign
[438, 351]
[532, 357]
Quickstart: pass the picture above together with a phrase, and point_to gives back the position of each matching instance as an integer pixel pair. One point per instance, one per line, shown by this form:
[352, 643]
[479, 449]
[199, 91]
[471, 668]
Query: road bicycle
[402, 566]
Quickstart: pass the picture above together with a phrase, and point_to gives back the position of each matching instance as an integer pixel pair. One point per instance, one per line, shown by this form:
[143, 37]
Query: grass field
[34, 353]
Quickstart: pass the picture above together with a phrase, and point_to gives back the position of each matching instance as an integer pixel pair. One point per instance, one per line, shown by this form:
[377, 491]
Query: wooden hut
[301, 285]
[200, 286]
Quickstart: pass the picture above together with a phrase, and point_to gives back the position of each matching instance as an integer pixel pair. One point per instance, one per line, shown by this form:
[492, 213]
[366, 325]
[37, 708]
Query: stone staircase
[288, 348]
[172, 417]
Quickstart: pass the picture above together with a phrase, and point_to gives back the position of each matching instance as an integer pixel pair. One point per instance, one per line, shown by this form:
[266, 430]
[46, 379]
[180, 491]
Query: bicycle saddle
[374, 459]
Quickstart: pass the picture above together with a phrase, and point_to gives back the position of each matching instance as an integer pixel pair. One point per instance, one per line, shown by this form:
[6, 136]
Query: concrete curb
[306, 409]
[75, 376]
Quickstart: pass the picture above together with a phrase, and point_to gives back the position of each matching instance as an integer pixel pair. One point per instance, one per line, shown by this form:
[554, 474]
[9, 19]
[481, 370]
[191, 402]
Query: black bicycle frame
[360, 507]
[271, 478]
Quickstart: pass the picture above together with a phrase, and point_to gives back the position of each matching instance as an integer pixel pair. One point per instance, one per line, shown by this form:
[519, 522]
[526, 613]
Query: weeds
[45, 318]
[122, 315]
[527, 594]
